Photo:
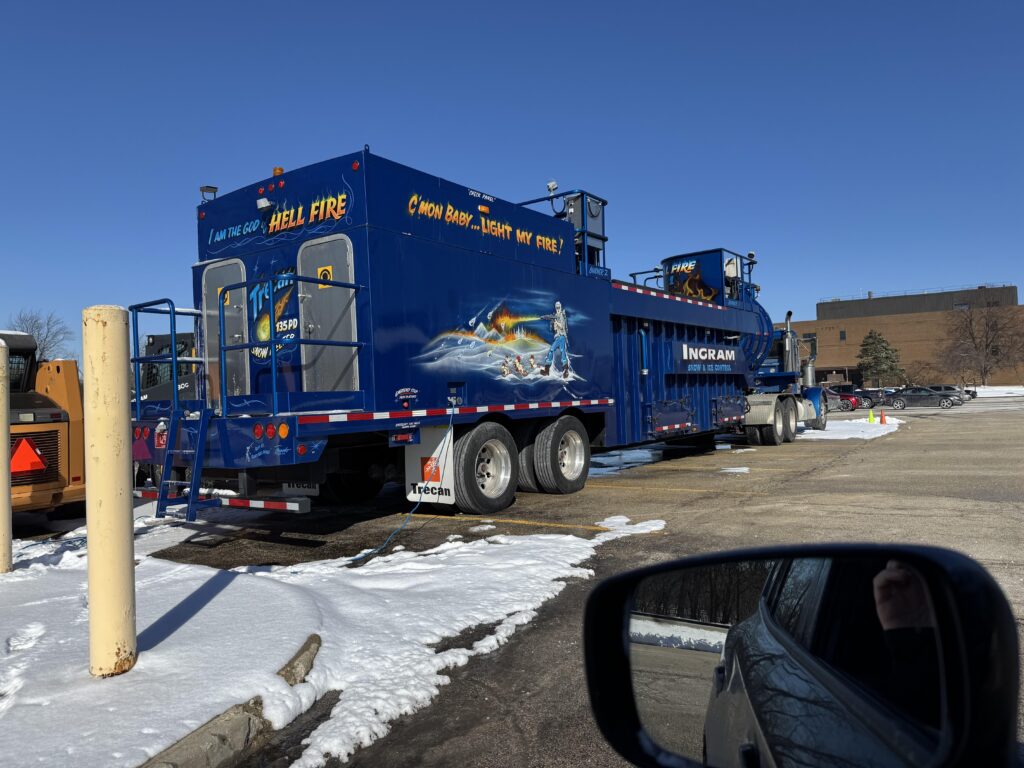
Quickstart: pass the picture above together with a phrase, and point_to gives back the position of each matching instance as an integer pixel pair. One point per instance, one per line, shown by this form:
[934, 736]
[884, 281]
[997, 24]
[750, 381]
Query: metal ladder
[165, 500]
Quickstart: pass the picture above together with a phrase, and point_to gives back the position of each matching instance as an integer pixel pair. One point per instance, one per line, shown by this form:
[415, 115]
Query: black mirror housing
[978, 635]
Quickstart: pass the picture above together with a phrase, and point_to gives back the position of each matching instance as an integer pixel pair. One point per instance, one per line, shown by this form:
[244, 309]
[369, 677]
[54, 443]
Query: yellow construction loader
[47, 440]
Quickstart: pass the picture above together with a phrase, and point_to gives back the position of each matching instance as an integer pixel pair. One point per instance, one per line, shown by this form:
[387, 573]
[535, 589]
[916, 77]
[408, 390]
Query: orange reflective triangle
[26, 458]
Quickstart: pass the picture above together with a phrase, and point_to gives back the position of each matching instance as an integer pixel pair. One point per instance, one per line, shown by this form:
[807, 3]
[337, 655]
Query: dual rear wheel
[489, 466]
[781, 429]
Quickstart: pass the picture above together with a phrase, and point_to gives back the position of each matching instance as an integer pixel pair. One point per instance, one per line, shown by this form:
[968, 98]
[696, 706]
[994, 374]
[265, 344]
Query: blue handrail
[156, 307]
[224, 348]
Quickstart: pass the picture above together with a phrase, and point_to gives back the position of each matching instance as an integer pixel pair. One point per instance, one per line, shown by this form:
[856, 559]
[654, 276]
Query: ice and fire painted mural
[523, 341]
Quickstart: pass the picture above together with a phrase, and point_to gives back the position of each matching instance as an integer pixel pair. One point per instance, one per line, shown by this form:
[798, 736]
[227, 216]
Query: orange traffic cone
[881, 419]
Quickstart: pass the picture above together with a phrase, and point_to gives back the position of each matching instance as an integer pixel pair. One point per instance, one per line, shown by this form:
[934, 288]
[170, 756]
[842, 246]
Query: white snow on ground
[209, 639]
[481, 528]
[851, 428]
[993, 391]
[744, 450]
[723, 446]
[670, 633]
[736, 471]
[616, 461]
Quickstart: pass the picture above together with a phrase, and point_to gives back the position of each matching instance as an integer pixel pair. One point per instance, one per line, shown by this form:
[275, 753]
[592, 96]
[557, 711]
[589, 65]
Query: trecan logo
[708, 354]
[430, 469]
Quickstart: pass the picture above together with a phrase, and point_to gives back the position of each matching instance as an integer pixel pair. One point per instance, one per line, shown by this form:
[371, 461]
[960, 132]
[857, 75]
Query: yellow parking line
[511, 521]
[681, 490]
[719, 469]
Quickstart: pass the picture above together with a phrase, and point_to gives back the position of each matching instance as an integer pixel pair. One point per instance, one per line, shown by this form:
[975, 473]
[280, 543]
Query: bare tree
[983, 340]
[919, 372]
[50, 332]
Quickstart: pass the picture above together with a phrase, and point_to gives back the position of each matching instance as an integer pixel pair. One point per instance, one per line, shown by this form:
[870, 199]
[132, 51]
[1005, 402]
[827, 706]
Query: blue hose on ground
[411, 512]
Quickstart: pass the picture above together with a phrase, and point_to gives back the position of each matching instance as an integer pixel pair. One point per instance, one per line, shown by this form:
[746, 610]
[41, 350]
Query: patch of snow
[672, 633]
[723, 446]
[616, 461]
[994, 391]
[736, 471]
[744, 450]
[851, 428]
[481, 528]
[225, 633]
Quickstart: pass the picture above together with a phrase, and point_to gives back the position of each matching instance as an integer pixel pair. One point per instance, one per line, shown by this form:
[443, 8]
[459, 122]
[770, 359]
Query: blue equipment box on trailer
[341, 308]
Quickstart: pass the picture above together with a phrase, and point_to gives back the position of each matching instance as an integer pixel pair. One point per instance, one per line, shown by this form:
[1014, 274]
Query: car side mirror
[855, 654]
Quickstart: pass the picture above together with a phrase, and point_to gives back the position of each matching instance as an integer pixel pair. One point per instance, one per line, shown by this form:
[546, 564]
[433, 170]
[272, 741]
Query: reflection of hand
[900, 598]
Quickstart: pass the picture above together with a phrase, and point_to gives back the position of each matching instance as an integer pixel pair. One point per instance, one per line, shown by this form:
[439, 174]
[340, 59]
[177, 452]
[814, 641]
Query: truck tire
[789, 422]
[562, 456]
[822, 421]
[527, 449]
[753, 435]
[772, 434]
[486, 469]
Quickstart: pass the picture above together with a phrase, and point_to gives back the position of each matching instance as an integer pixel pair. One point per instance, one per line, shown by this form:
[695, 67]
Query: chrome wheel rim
[493, 468]
[898, 405]
[571, 455]
[777, 425]
[792, 420]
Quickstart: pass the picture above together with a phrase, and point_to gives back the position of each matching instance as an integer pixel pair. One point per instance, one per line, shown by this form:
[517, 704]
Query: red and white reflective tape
[301, 505]
[663, 295]
[324, 418]
[731, 418]
[673, 427]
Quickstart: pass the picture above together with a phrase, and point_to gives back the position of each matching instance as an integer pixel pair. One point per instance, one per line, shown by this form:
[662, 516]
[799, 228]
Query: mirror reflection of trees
[716, 594]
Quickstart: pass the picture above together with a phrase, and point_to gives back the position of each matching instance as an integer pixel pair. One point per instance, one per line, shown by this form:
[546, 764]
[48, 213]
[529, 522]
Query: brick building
[916, 324]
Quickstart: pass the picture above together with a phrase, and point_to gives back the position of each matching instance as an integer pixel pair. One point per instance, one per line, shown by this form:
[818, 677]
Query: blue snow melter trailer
[359, 321]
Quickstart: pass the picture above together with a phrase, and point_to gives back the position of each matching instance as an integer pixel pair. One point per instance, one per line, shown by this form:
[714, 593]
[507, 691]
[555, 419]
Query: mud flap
[429, 467]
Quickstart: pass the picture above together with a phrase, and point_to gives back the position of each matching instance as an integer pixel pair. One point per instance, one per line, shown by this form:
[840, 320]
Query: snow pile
[992, 391]
[736, 471]
[209, 639]
[616, 461]
[674, 633]
[481, 528]
[851, 428]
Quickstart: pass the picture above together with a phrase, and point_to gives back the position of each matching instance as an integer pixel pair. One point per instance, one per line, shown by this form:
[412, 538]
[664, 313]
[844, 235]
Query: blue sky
[853, 146]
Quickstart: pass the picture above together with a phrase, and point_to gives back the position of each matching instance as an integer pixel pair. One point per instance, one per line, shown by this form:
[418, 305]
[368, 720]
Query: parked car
[866, 398]
[910, 397]
[951, 391]
[870, 397]
[847, 402]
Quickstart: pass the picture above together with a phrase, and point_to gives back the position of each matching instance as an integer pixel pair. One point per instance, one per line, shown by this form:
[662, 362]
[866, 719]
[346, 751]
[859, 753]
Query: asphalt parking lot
[948, 478]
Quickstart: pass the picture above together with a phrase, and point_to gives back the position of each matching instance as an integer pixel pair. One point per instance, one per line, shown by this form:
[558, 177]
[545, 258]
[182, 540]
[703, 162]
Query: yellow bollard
[108, 493]
[871, 416]
[6, 523]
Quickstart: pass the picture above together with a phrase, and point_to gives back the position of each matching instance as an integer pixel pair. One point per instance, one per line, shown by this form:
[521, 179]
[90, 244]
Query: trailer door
[328, 313]
[236, 329]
